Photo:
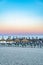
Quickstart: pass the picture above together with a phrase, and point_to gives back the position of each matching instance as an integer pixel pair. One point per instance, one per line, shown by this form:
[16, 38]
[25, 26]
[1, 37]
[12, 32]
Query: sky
[21, 16]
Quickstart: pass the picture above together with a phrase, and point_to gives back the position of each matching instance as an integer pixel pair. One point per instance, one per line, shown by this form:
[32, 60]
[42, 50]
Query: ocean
[23, 35]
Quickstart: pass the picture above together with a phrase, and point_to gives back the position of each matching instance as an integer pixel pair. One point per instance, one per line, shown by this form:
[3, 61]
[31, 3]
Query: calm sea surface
[20, 36]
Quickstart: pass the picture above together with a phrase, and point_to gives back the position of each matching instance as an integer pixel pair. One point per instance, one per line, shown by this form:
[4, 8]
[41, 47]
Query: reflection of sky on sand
[21, 56]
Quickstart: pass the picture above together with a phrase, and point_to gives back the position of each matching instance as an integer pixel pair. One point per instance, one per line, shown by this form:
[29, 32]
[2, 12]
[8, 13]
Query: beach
[21, 56]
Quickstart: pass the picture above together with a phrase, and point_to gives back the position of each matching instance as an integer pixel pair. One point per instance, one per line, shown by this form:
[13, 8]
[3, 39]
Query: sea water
[21, 56]
[20, 36]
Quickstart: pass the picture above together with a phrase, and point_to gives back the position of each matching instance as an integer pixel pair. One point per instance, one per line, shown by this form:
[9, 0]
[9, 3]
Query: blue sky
[21, 13]
[35, 6]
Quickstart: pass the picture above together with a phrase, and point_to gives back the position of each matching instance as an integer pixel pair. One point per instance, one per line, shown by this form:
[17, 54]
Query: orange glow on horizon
[21, 29]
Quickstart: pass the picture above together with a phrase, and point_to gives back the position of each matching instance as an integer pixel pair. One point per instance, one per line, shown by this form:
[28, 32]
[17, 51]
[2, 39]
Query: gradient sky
[21, 16]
